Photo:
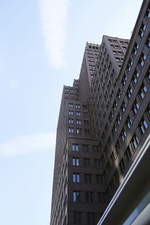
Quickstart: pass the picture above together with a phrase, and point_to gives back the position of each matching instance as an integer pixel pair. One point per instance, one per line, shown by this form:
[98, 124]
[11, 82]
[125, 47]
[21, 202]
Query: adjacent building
[103, 131]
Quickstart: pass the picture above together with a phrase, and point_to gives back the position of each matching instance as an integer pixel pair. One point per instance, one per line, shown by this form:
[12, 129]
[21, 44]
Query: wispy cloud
[27, 144]
[13, 84]
[53, 15]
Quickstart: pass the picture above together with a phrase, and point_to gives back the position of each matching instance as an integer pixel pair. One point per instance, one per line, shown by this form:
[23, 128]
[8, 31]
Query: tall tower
[78, 189]
[76, 186]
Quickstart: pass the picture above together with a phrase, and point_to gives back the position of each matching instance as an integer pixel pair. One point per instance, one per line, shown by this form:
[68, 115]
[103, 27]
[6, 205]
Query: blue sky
[41, 49]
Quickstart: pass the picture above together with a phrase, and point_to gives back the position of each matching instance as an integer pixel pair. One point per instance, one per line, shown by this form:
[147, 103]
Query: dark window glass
[77, 217]
[78, 113]
[134, 142]
[143, 91]
[135, 77]
[123, 107]
[70, 130]
[86, 162]
[143, 126]
[76, 177]
[70, 105]
[129, 122]
[85, 148]
[124, 79]
[75, 147]
[75, 162]
[148, 12]
[122, 166]
[123, 135]
[135, 107]
[148, 75]
[97, 163]
[135, 48]
[88, 178]
[98, 179]
[89, 196]
[148, 41]
[142, 30]
[91, 218]
[76, 196]
[128, 154]
[129, 92]
[70, 113]
[142, 59]
[70, 121]
[117, 147]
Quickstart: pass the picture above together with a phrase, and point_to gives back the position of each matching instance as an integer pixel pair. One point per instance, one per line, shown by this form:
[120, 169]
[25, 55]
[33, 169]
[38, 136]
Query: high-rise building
[103, 130]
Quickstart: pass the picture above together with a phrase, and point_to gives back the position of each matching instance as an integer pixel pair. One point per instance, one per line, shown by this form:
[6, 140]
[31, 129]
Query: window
[123, 107]
[119, 94]
[123, 135]
[85, 148]
[143, 126]
[129, 122]
[77, 217]
[148, 12]
[135, 107]
[134, 142]
[130, 63]
[128, 154]
[86, 122]
[124, 79]
[117, 59]
[91, 218]
[88, 178]
[70, 105]
[143, 91]
[78, 113]
[113, 156]
[75, 162]
[119, 118]
[70, 113]
[76, 196]
[70, 121]
[75, 147]
[148, 112]
[122, 166]
[135, 48]
[114, 105]
[70, 130]
[86, 162]
[78, 122]
[78, 131]
[98, 179]
[110, 116]
[76, 178]
[97, 163]
[142, 29]
[100, 196]
[142, 59]
[89, 196]
[135, 77]
[129, 92]
[113, 73]
[114, 129]
[148, 41]
[77, 106]
[103, 136]
[117, 147]
[148, 75]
